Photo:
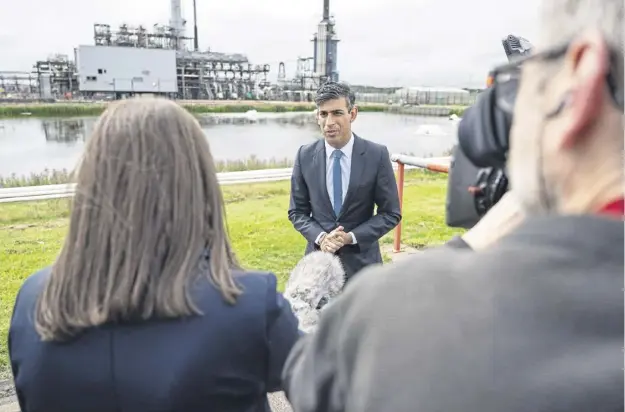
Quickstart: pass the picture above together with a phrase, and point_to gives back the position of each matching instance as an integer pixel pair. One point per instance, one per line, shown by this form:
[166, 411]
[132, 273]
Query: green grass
[31, 234]
[94, 109]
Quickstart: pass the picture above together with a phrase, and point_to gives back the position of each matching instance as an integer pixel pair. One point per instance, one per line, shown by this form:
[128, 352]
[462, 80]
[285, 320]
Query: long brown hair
[147, 208]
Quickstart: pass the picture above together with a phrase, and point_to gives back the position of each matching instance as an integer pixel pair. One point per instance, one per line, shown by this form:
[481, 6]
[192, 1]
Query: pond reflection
[31, 145]
[64, 130]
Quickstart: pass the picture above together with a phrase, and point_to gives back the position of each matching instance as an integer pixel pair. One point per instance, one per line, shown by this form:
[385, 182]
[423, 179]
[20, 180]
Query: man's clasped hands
[335, 240]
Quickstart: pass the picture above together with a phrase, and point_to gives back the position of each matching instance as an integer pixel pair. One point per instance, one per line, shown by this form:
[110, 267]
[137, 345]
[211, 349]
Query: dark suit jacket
[226, 360]
[534, 323]
[372, 183]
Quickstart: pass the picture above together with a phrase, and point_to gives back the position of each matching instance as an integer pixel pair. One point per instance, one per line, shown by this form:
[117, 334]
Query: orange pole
[400, 192]
[438, 168]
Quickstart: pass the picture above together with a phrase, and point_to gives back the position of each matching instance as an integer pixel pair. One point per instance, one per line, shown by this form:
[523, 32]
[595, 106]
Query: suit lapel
[319, 164]
[357, 170]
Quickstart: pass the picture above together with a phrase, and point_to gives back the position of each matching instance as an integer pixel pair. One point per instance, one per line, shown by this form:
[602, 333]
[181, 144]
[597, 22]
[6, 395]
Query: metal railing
[434, 164]
[32, 193]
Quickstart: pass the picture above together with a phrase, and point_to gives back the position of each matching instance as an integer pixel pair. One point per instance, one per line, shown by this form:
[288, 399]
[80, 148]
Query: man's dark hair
[333, 90]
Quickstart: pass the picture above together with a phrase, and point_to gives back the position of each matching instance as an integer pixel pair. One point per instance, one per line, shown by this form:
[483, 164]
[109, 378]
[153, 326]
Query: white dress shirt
[346, 169]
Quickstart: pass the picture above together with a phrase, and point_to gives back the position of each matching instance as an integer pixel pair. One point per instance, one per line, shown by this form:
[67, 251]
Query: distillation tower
[311, 72]
[325, 47]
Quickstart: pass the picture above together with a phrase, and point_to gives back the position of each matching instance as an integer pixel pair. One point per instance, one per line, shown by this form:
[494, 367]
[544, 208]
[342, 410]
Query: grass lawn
[31, 234]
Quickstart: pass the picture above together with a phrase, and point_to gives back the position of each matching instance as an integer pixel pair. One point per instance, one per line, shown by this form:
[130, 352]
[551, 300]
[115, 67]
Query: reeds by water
[63, 109]
[56, 177]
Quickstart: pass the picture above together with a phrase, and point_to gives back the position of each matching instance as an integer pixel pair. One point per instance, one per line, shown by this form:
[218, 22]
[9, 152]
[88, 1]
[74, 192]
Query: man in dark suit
[534, 321]
[337, 181]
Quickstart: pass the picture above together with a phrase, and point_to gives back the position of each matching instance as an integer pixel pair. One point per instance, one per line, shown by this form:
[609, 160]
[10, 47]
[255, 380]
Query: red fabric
[616, 208]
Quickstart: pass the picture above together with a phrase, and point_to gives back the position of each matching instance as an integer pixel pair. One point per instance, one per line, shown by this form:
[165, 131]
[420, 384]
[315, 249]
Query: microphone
[316, 279]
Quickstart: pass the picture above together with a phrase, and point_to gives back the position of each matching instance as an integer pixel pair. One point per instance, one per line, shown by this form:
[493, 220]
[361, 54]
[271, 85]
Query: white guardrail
[32, 193]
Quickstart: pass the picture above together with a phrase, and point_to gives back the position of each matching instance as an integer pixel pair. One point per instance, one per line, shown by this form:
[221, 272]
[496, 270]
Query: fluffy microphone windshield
[317, 277]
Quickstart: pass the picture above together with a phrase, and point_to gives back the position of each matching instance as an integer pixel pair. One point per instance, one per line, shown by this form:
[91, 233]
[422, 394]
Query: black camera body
[477, 175]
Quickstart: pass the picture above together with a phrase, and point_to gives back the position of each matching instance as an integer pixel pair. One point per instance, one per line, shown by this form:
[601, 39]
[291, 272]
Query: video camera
[477, 173]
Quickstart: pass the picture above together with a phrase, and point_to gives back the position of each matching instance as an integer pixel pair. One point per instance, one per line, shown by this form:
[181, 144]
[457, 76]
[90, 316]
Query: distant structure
[325, 47]
[126, 70]
[313, 71]
[198, 74]
[177, 23]
[163, 59]
[16, 85]
[57, 77]
[441, 96]
[129, 60]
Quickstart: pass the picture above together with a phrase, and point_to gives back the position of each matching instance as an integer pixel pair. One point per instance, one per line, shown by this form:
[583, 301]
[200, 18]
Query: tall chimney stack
[196, 41]
[326, 10]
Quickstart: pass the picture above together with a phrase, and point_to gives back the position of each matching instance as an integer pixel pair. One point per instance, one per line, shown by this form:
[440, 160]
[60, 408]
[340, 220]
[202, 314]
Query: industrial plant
[164, 60]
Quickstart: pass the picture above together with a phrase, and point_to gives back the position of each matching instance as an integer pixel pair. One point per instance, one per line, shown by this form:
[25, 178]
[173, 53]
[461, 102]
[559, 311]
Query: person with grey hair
[534, 321]
[338, 181]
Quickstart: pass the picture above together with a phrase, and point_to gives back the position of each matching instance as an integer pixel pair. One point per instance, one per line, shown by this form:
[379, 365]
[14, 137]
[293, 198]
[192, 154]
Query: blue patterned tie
[337, 181]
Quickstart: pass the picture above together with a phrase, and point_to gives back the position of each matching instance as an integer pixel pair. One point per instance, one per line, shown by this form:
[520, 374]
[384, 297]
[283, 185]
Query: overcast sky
[383, 42]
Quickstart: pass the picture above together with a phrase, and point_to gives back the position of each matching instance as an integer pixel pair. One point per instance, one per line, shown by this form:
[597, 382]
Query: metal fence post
[400, 192]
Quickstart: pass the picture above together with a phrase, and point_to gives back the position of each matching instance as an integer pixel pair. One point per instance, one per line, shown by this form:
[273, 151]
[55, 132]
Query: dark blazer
[226, 360]
[533, 323]
[372, 183]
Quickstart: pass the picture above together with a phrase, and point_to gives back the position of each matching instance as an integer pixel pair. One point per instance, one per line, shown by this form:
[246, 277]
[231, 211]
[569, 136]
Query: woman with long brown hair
[146, 307]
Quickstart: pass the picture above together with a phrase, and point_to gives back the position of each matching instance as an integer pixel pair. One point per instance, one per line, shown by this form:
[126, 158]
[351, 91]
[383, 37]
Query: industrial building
[313, 71]
[199, 74]
[443, 96]
[15, 85]
[133, 60]
[128, 60]
[109, 69]
[57, 77]
[54, 77]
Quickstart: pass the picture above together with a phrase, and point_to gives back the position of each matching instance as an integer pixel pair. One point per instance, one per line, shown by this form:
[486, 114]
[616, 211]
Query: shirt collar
[347, 149]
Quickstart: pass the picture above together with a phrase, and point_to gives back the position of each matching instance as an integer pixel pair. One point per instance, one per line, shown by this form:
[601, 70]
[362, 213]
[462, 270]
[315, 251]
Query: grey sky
[383, 42]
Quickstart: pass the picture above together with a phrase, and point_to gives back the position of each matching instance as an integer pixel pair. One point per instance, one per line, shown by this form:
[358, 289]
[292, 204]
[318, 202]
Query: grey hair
[334, 90]
[317, 277]
[563, 19]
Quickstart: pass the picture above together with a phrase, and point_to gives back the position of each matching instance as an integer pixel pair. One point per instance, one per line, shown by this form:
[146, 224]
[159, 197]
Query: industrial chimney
[325, 47]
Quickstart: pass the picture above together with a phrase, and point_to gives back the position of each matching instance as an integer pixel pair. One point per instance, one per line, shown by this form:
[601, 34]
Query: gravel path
[278, 402]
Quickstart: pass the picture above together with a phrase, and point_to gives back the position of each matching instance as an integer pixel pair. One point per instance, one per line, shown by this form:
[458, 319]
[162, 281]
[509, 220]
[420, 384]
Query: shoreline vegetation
[77, 109]
[64, 176]
[32, 233]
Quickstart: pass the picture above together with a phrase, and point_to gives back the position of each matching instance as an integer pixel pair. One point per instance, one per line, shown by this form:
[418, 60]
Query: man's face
[335, 120]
